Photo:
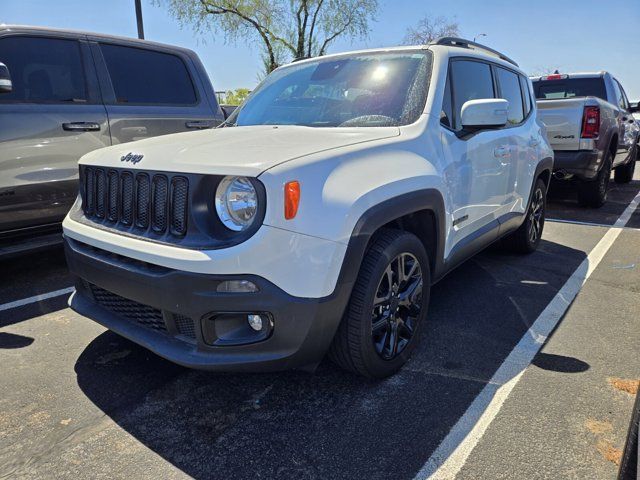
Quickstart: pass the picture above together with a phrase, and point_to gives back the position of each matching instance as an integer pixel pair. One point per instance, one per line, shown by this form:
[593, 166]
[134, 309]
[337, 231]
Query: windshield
[368, 90]
[569, 88]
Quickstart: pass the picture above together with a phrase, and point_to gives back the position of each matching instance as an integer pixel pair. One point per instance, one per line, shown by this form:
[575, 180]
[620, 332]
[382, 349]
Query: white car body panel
[233, 151]
[343, 172]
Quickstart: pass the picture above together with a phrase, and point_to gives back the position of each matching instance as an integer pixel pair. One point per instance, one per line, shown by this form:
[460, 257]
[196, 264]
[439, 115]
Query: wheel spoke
[393, 340]
[382, 322]
[381, 300]
[408, 297]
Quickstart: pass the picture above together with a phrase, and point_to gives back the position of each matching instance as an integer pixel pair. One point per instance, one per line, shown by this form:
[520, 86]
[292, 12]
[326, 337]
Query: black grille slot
[137, 201]
[89, 191]
[185, 326]
[113, 196]
[101, 188]
[126, 216]
[160, 200]
[179, 196]
[143, 314]
[143, 200]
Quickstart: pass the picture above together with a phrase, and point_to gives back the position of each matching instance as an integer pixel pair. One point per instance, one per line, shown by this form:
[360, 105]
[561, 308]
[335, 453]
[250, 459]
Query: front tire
[527, 237]
[388, 305]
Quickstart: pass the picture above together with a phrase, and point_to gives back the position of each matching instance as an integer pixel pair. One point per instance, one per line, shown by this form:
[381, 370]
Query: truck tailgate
[563, 119]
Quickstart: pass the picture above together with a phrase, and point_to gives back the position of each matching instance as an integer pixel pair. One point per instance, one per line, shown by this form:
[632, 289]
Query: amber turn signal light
[291, 199]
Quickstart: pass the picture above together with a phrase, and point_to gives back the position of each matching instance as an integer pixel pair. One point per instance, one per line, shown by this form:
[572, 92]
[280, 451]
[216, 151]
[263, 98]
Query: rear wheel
[594, 193]
[624, 173]
[527, 237]
[387, 306]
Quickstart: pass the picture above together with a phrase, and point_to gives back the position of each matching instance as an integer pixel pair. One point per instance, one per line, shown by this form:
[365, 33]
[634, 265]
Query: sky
[571, 35]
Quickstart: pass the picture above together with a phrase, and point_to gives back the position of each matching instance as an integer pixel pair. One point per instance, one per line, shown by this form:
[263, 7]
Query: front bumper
[583, 164]
[303, 328]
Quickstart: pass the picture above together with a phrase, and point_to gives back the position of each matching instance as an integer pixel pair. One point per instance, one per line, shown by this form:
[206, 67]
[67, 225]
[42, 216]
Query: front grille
[133, 199]
[143, 314]
[185, 326]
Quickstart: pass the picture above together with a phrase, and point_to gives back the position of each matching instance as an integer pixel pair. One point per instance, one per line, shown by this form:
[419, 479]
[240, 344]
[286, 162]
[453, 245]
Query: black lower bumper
[582, 164]
[302, 328]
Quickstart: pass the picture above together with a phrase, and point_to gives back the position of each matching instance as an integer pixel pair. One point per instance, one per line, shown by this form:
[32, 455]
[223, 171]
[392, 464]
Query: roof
[468, 48]
[102, 36]
[601, 73]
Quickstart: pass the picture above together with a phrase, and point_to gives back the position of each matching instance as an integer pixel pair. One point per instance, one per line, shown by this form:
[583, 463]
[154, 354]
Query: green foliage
[285, 29]
[235, 97]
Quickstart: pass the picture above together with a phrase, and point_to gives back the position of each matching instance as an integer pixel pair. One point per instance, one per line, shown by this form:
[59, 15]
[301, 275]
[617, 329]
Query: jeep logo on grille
[131, 157]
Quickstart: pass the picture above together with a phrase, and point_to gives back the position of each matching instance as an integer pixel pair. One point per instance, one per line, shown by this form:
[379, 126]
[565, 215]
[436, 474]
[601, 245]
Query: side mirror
[634, 107]
[5, 79]
[484, 113]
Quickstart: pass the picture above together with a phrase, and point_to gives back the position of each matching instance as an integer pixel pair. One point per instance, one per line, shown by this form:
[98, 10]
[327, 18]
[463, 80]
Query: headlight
[236, 203]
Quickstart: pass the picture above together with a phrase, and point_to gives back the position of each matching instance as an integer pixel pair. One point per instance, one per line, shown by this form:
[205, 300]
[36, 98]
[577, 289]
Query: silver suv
[66, 93]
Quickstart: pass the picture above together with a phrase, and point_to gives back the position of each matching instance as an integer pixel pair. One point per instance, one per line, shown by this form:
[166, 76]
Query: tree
[236, 97]
[429, 29]
[285, 29]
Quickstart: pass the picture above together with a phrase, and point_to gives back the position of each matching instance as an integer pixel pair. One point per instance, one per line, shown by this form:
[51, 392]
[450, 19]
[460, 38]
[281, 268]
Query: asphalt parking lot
[79, 401]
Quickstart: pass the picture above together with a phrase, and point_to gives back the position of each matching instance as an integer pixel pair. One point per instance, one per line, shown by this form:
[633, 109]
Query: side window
[624, 100]
[43, 70]
[526, 93]
[470, 80]
[146, 77]
[618, 94]
[446, 114]
[510, 91]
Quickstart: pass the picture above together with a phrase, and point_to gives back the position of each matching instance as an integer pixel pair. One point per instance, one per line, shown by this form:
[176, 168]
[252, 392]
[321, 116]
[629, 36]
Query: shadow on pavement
[563, 204]
[33, 274]
[26, 312]
[560, 363]
[12, 340]
[331, 424]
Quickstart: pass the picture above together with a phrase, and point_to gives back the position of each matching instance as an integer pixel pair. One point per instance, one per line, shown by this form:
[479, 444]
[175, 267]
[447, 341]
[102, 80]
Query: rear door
[478, 165]
[53, 116]
[150, 92]
[519, 136]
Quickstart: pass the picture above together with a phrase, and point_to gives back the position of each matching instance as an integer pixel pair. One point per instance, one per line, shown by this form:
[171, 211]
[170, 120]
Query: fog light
[237, 286]
[255, 322]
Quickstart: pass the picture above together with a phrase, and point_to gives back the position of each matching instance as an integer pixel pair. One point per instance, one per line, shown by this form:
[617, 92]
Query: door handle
[502, 152]
[533, 143]
[81, 126]
[199, 124]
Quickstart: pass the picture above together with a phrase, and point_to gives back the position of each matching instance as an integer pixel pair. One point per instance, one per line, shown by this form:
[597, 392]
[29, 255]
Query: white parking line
[588, 224]
[452, 453]
[35, 298]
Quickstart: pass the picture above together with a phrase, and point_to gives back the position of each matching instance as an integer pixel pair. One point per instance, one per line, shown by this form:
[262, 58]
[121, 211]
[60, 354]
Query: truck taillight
[590, 122]
[555, 76]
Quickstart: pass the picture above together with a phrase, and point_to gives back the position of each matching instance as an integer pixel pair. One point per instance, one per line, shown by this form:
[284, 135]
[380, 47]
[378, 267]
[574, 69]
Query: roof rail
[463, 43]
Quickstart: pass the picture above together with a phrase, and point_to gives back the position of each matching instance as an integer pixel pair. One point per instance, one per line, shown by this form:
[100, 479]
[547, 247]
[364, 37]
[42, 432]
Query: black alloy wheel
[396, 306]
[536, 216]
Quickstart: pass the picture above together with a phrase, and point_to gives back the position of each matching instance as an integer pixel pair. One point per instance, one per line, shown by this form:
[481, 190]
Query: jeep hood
[234, 150]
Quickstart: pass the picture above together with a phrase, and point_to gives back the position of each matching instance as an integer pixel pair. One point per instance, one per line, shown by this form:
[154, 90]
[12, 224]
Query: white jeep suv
[320, 214]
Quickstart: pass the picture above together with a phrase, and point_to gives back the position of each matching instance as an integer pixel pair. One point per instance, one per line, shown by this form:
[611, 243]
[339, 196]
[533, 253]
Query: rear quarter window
[510, 91]
[147, 77]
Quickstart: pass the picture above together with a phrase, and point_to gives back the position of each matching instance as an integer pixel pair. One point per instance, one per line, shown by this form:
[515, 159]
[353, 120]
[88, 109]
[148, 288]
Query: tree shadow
[331, 424]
